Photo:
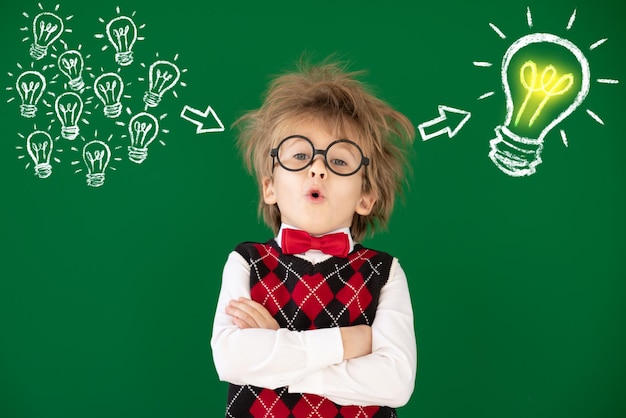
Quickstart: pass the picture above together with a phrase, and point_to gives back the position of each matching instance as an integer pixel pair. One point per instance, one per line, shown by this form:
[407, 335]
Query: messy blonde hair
[330, 95]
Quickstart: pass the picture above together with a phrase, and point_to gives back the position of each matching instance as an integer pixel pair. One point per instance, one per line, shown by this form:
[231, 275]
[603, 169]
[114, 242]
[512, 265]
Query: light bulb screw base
[124, 58]
[113, 110]
[137, 155]
[515, 155]
[43, 170]
[70, 132]
[77, 84]
[151, 99]
[38, 51]
[95, 179]
[28, 110]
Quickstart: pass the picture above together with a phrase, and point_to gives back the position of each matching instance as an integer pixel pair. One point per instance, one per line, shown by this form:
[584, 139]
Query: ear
[366, 203]
[269, 196]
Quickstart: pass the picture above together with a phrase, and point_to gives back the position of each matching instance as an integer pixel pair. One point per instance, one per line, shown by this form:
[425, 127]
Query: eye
[338, 162]
[301, 156]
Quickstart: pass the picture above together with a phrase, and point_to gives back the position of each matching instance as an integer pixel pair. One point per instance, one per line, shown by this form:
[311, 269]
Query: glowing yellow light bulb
[544, 78]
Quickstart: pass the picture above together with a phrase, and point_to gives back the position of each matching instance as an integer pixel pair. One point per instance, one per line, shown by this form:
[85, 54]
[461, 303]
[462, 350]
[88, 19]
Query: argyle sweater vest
[303, 296]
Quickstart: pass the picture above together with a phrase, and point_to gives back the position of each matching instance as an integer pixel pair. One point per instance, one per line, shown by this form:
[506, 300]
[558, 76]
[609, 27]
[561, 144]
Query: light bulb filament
[108, 90]
[70, 65]
[121, 35]
[547, 83]
[40, 147]
[70, 109]
[29, 89]
[162, 77]
[45, 30]
[141, 132]
[96, 157]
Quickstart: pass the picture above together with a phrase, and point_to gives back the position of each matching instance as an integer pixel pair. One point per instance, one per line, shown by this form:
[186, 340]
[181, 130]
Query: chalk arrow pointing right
[199, 119]
[442, 124]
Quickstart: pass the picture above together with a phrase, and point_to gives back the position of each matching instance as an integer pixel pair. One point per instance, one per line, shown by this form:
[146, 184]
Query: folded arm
[387, 375]
[268, 358]
[352, 365]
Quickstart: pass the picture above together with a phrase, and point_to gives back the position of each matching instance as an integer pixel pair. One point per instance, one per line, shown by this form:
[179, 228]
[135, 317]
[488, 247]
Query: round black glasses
[296, 152]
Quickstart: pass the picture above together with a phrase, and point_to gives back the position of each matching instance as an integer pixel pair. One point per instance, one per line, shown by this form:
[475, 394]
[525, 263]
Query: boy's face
[315, 199]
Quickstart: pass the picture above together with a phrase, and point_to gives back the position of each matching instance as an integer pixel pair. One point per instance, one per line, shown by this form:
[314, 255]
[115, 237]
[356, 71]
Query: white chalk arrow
[200, 118]
[442, 124]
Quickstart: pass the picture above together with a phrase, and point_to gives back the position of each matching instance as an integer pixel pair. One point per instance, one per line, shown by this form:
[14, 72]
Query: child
[310, 323]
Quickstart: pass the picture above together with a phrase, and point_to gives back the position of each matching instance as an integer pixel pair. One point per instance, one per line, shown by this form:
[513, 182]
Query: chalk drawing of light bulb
[71, 64]
[96, 156]
[163, 75]
[109, 88]
[143, 129]
[69, 107]
[122, 34]
[544, 78]
[39, 145]
[47, 28]
[30, 86]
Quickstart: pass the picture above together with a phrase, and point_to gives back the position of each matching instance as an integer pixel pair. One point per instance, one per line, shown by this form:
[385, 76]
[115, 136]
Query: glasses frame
[323, 152]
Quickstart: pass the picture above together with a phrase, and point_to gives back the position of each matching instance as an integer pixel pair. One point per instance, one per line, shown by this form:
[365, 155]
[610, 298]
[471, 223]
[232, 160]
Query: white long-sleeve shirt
[312, 361]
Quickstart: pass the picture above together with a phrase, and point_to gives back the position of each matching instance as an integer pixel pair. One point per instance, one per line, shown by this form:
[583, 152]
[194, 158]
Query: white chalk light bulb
[143, 129]
[545, 78]
[96, 156]
[163, 75]
[30, 85]
[109, 88]
[47, 28]
[71, 64]
[39, 146]
[122, 34]
[69, 107]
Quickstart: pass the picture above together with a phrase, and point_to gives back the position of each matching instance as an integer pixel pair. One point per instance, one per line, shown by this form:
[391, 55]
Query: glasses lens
[295, 153]
[344, 157]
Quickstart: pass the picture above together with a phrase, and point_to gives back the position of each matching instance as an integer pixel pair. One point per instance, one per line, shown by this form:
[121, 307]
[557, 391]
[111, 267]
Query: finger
[240, 323]
[241, 312]
[250, 307]
[258, 312]
[262, 316]
[259, 309]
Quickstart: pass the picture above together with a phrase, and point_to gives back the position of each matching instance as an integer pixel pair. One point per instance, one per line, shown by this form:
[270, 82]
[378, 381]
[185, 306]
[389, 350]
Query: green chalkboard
[514, 248]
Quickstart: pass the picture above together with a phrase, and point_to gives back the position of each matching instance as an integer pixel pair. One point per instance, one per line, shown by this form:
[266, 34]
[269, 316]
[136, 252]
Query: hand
[247, 313]
[357, 341]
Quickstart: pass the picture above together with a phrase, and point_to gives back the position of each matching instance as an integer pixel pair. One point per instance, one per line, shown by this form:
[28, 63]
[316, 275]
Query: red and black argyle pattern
[303, 296]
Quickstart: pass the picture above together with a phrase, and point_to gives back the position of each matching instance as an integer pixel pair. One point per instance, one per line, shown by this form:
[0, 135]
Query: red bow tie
[295, 241]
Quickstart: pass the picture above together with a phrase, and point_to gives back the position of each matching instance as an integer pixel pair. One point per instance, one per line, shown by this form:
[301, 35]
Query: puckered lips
[314, 194]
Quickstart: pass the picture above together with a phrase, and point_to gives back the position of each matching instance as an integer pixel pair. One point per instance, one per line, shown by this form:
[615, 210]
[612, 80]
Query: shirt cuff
[324, 347]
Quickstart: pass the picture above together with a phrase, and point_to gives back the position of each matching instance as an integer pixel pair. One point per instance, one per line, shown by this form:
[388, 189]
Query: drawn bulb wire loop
[95, 159]
[30, 90]
[547, 85]
[122, 33]
[163, 77]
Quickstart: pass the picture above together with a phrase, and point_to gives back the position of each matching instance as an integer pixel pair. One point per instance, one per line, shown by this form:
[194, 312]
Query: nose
[318, 167]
